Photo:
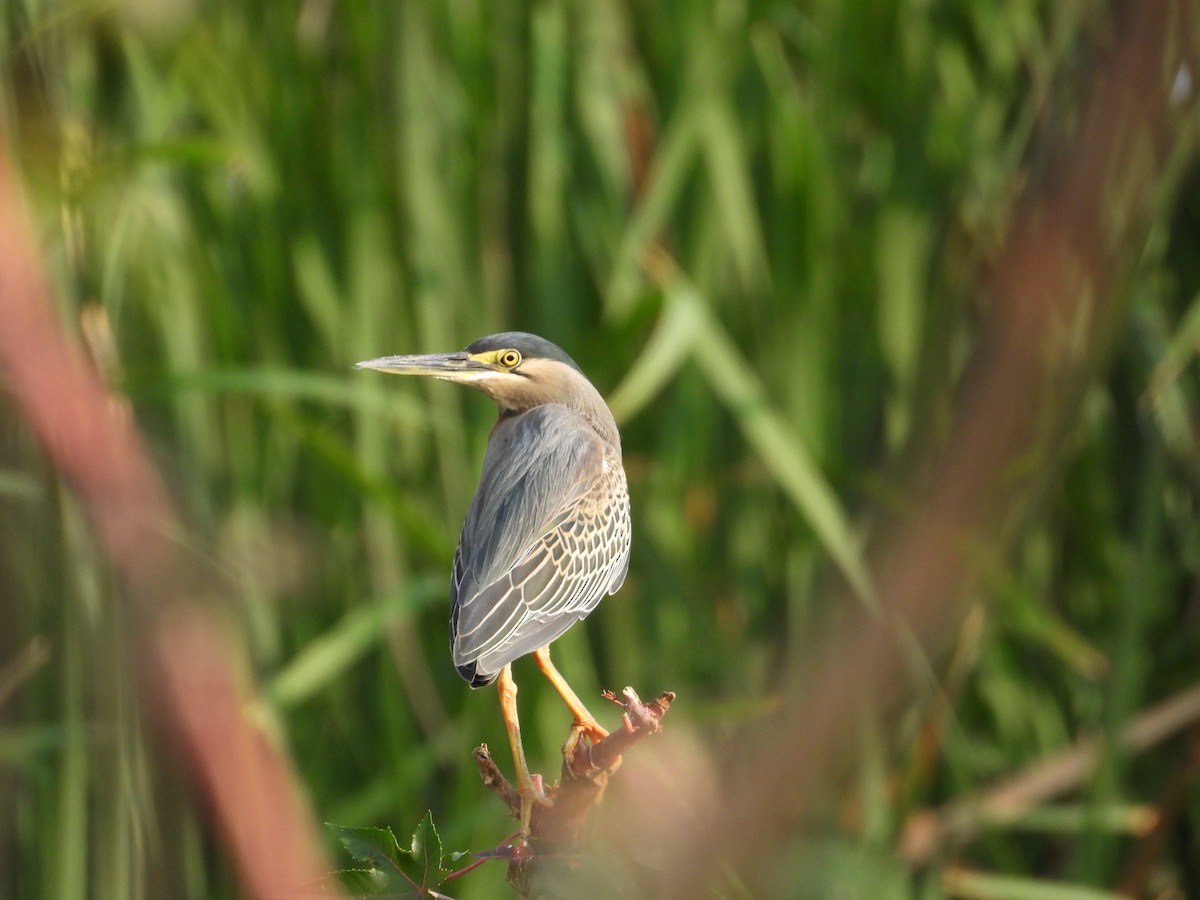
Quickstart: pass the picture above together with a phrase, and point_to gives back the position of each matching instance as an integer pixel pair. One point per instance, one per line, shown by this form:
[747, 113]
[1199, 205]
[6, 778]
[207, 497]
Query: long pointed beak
[447, 366]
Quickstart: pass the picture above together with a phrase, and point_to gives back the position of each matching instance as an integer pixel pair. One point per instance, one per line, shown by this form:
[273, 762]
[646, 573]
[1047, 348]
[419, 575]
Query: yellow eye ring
[510, 359]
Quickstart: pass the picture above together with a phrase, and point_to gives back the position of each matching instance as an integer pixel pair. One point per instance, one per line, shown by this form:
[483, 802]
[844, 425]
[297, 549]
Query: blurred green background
[238, 200]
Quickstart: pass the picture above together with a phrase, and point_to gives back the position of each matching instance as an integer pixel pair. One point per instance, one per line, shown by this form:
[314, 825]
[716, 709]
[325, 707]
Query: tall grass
[257, 195]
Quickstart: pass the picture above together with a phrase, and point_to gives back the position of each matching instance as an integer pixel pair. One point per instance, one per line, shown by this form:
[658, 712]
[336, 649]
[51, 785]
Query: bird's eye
[509, 359]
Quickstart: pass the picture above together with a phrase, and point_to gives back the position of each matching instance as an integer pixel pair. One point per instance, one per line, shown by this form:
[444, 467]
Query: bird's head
[516, 369]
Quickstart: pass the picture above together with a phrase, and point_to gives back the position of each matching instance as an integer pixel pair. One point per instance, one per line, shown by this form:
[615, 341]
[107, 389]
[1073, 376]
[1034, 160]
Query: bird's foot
[572, 748]
[592, 731]
[590, 727]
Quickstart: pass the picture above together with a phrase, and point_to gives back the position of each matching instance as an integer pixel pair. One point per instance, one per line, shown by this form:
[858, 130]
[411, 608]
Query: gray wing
[545, 539]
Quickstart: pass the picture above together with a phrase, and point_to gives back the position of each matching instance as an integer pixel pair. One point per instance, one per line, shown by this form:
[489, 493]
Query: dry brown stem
[928, 831]
[585, 772]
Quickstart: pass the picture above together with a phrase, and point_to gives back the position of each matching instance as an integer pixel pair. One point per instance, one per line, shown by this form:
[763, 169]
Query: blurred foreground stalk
[190, 664]
[1053, 299]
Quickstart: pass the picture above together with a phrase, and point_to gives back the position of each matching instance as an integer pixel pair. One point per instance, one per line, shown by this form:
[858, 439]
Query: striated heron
[547, 534]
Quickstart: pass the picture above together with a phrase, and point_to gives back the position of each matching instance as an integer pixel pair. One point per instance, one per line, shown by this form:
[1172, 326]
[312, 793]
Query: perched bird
[547, 534]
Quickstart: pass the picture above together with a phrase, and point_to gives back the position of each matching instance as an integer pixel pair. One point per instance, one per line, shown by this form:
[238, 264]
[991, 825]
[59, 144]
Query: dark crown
[530, 346]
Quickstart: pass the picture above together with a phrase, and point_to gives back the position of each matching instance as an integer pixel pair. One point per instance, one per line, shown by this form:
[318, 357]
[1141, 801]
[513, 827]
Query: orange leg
[508, 709]
[584, 720]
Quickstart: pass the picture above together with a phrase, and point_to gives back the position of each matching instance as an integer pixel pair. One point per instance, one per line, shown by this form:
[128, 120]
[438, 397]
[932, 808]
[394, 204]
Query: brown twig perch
[585, 771]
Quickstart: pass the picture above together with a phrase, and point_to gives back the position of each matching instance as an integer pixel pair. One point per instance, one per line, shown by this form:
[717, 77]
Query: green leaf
[375, 846]
[395, 871]
[427, 851]
[361, 882]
